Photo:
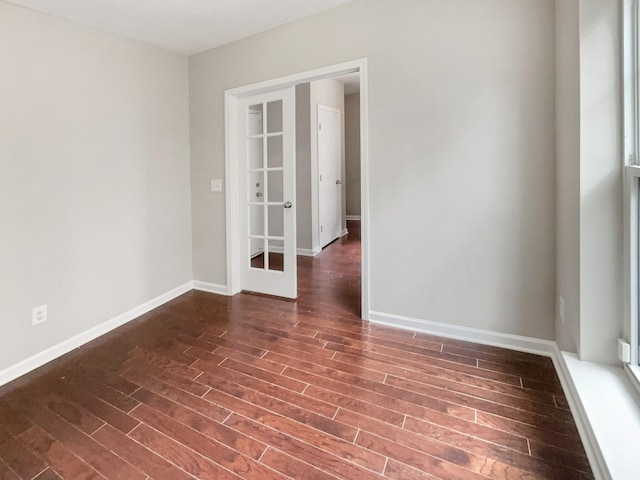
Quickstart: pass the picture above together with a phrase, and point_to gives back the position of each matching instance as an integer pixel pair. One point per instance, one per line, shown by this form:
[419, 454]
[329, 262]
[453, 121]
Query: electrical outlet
[39, 315]
[561, 309]
[216, 185]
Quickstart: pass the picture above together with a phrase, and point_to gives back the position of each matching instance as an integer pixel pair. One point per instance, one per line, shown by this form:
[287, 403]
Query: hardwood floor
[252, 387]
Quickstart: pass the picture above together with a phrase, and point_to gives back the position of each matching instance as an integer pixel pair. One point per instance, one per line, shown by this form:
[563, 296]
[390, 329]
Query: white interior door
[329, 174]
[267, 190]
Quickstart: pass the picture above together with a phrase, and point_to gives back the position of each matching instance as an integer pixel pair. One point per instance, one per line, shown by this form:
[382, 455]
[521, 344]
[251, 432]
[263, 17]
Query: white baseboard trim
[210, 288]
[355, 218]
[307, 252]
[64, 347]
[344, 232]
[519, 343]
[485, 337]
[303, 252]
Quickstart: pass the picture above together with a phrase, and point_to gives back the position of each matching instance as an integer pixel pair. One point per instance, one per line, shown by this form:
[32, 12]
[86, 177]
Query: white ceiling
[185, 26]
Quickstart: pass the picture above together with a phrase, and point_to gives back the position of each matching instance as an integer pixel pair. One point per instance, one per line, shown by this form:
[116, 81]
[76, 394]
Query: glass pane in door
[274, 116]
[256, 221]
[275, 185]
[274, 152]
[256, 187]
[255, 119]
[256, 156]
[276, 221]
[276, 255]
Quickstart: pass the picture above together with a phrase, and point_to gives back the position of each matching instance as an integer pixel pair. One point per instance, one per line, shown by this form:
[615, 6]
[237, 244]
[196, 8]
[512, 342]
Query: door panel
[329, 174]
[267, 155]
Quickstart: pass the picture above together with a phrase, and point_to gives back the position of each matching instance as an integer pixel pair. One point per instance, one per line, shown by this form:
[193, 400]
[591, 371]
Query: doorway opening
[313, 219]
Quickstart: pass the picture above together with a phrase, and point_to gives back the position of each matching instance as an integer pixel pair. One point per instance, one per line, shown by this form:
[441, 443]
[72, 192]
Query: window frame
[631, 198]
[631, 174]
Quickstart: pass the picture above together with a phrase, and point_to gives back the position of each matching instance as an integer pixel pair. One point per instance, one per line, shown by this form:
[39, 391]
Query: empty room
[319, 239]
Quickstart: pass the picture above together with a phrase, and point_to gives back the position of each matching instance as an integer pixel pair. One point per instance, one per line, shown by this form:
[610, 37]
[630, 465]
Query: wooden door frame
[232, 207]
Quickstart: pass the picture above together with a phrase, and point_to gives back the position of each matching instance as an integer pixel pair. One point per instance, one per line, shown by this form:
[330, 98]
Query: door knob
[287, 205]
[338, 182]
[259, 194]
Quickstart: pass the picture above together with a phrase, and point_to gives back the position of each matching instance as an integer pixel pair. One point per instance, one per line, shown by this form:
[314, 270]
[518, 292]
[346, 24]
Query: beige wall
[330, 93]
[94, 182]
[601, 273]
[94, 152]
[303, 166]
[327, 92]
[462, 176]
[567, 168]
[589, 185]
[352, 152]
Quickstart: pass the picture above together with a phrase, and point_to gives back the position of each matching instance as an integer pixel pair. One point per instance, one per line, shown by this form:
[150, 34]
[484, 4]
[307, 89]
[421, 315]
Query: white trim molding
[583, 424]
[631, 258]
[210, 288]
[232, 97]
[303, 252]
[64, 347]
[307, 252]
[485, 337]
[353, 218]
[631, 161]
[519, 343]
[633, 373]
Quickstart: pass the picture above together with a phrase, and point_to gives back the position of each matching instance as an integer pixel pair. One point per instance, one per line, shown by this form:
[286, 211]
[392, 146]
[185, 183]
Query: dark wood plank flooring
[252, 387]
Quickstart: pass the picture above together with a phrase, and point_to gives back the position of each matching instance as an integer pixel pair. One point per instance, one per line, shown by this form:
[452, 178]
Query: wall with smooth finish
[352, 153]
[462, 176]
[308, 96]
[303, 166]
[330, 93]
[94, 178]
[567, 168]
[601, 246]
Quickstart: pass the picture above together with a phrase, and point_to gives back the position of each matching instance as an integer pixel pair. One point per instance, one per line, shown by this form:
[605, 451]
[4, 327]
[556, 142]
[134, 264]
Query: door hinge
[319, 126]
[320, 177]
[320, 228]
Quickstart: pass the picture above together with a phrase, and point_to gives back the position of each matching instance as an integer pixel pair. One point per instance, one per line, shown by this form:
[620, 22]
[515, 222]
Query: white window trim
[631, 191]
[630, 77]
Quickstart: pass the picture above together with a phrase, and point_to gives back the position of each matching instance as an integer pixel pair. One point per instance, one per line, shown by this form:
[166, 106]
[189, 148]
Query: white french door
[329, 174]
[266, 134]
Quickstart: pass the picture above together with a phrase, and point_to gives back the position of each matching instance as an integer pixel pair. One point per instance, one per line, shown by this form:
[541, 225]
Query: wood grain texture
[253, 387]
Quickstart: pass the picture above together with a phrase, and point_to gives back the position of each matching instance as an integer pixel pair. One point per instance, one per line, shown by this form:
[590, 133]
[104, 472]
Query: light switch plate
[216, 185]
